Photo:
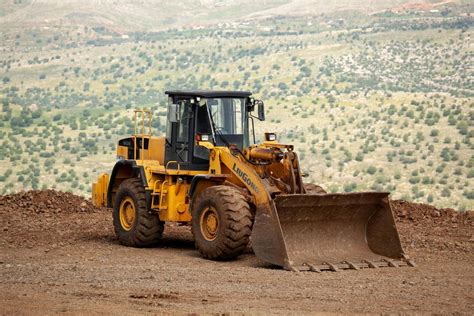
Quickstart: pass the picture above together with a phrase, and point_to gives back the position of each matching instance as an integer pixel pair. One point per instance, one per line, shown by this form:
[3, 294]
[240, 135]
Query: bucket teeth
[289, 266]
[333, 267]
[313, 268]
[371, 264]
[353, 265]
[391, 263]
[409, 262]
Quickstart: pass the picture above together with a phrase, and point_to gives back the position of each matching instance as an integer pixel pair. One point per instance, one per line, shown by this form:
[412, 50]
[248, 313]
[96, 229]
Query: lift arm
[267, 236]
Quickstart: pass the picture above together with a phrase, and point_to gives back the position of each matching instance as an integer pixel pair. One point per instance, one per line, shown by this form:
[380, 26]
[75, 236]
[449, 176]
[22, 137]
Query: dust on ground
[58, 254]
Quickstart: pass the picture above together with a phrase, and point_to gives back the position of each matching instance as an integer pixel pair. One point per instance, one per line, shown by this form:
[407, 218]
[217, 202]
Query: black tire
[144, 229]
[234, 220]
[312, 188]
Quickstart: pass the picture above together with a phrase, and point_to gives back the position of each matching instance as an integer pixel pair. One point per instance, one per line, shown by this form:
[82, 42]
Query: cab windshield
[227, 114]
[229, 117]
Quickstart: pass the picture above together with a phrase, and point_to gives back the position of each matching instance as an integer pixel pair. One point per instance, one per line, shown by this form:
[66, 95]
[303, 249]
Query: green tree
[371, 170]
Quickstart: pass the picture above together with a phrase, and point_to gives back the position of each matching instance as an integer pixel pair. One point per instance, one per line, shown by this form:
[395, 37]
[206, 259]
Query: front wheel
[221, 222]
[133, 224]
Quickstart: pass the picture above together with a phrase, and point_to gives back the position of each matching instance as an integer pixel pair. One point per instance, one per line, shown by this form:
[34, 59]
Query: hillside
[127, 16]
[373, 99]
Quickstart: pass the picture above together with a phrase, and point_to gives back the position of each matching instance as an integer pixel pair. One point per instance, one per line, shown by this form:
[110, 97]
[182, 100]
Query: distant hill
[149, 15]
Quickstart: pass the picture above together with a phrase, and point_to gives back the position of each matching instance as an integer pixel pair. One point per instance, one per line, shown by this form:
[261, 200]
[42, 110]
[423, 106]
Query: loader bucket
[328, 232]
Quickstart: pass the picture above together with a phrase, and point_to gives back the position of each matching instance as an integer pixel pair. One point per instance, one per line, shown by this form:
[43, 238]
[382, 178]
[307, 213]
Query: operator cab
[222, 116]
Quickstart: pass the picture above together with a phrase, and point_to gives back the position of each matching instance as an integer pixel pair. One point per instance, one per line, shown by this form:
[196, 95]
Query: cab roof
[209, 93]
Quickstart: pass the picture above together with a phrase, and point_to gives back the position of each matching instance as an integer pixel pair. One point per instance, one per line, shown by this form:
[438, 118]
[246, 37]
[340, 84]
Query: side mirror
[261, 110]
[174, 112]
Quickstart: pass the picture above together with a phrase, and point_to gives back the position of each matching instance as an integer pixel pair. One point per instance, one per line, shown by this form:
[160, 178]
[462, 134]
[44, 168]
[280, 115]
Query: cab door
[178, 135]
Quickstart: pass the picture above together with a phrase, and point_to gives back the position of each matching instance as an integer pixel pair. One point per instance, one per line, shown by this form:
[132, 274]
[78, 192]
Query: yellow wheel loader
[209, 172]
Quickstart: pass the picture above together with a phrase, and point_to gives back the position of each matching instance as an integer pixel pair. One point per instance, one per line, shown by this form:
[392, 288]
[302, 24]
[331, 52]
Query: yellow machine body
[291, 228]
[99, 190]
[168, 187]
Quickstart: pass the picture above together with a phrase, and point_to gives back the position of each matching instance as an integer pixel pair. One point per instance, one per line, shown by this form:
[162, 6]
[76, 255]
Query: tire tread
[236, 218]
[148, 229]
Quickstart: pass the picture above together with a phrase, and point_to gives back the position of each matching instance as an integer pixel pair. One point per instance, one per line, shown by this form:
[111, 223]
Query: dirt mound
[51, 201]
[26, 215]
[48, 217]
[416, 212]
[47, 201]
[425, 228]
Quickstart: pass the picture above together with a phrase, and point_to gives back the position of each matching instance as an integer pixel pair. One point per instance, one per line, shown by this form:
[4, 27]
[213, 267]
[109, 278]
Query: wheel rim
[127, 213]
[209, 223]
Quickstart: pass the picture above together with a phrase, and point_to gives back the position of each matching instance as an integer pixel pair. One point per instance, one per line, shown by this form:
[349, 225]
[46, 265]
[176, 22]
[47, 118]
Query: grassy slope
[297, 117]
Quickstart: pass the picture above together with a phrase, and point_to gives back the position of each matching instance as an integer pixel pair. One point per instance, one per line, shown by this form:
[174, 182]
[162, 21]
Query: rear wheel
[312, 188]
[134, 226]
[221, 223]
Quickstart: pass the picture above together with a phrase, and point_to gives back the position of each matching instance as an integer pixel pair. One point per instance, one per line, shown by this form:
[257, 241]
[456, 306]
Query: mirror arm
[253, 129]
[261, 110]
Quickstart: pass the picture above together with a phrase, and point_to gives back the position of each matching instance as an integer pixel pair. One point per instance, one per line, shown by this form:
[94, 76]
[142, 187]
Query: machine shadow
[178, 239]
[173, 241]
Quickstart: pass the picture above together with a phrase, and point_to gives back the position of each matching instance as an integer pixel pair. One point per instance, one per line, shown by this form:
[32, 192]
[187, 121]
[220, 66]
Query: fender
[203, 177]
[137, 171]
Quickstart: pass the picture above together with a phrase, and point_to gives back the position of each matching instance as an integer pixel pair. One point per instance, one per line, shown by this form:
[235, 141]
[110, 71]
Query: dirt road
[59, 255]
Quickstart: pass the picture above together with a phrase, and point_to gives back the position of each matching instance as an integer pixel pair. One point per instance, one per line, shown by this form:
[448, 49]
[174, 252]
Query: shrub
[371, 170]
[470, 174]
[445, 192]
[469, 195]
[430, 199]
[426, 180]
[350, 187]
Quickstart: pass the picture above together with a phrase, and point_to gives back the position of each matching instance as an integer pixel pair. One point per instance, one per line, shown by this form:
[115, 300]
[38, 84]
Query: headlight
[202, 137]
[270, 137]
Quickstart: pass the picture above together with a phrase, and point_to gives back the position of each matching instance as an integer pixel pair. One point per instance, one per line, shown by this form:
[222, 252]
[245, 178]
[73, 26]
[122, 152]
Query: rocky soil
[58, 254]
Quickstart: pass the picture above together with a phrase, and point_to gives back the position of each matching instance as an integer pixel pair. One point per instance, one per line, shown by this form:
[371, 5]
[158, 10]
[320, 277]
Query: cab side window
[184, 122]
